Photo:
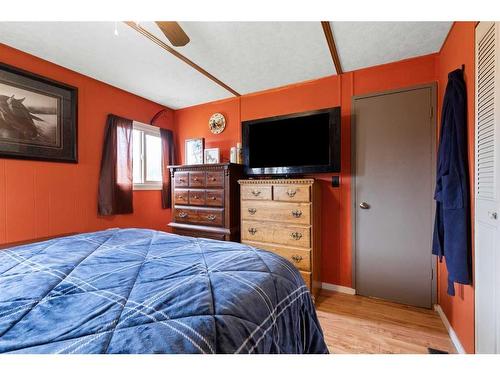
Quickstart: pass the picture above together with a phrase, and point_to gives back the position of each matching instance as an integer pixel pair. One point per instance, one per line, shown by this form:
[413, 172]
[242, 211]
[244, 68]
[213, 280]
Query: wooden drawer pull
[252, 211]
[211, 217]
[213, 198]
[181, 180]
[256, 193]
[297, 213]
[213, 179]
[181, 197]
[182, 215]
[296, 258]
[296, 235]
[196, 179]
[291, 192]
[196, 197]
[252, 231]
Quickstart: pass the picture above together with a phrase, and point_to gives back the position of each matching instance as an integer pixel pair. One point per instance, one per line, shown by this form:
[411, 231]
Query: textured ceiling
[364, 44]
[254, 56]
[128, 61]
[247, 56]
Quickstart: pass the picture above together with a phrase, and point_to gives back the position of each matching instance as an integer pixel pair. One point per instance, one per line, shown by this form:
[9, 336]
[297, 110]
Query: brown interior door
[394, 168]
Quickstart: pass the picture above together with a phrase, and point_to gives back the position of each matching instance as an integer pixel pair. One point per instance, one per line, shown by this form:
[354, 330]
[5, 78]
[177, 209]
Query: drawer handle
[252, 211]
[196, 179]
[214, 198]
[211, 217]
[182, 215]
[256, 193]
[181, 179]
[252, 231]
[296, 235]
[297, 213]
[180, 197]
[291, 192]
[196, 197]
[213, 179]
[296, 258]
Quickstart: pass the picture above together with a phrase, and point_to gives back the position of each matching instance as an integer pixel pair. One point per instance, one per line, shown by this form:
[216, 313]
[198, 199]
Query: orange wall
[321, 93]
[39, 199]
[457, 50]
[195, 125]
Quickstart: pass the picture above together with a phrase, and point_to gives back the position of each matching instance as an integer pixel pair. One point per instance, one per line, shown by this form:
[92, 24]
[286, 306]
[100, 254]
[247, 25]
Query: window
[147, 157]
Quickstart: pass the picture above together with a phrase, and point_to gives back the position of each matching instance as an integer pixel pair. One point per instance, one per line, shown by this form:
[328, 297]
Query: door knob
[364, 205]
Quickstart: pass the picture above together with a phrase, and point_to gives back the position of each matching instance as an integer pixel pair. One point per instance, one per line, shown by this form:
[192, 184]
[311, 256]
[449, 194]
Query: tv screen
[300, 143]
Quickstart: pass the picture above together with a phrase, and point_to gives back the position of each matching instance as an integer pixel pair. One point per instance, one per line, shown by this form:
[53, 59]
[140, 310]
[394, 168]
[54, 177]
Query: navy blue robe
[451, 238]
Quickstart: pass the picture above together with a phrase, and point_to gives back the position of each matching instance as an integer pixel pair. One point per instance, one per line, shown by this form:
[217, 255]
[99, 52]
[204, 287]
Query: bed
[146, 291]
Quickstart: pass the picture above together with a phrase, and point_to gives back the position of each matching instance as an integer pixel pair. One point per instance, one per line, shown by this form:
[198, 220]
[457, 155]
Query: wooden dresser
[283, 216]
[205, 200]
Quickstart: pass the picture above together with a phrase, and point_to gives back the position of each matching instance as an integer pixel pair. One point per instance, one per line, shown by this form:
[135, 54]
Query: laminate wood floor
[356, 324]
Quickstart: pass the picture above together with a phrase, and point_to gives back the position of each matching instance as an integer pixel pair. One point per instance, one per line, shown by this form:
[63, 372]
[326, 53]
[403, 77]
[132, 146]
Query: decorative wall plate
[217, 123]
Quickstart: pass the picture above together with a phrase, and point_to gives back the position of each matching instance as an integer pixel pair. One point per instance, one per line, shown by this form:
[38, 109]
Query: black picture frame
[38, 117]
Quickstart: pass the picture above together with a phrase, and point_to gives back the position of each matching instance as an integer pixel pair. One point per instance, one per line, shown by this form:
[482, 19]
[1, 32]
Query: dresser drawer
[301, 258]
[199, 216]
[277, 233]
[199, 233]
[295, 213]
[181, 196]
[197, 197]
[196, 179]
[185, 215]
[181, 179]
[215, 198]
[215, 179]
[256, 192]
[211, 217]
[292, 193]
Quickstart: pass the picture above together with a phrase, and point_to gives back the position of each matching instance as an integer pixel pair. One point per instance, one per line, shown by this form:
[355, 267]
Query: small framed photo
[194, 150]
[212, 156]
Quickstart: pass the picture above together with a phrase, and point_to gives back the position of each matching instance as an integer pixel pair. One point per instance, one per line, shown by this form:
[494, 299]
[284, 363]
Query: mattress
[146, 291]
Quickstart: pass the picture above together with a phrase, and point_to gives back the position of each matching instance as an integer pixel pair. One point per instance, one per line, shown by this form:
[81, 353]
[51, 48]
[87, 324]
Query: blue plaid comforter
[145, 291]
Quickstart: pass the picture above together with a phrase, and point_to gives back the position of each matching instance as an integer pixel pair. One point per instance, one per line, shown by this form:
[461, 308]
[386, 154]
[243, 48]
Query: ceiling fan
[174, 33]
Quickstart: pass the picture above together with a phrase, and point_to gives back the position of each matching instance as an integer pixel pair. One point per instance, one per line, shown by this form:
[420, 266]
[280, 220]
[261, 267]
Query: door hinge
[432, 112]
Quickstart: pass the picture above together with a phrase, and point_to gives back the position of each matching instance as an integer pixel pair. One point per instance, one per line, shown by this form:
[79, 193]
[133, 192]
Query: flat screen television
[295, 144]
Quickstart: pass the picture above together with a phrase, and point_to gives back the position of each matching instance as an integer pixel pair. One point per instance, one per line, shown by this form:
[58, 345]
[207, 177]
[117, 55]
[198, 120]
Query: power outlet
[336, 181]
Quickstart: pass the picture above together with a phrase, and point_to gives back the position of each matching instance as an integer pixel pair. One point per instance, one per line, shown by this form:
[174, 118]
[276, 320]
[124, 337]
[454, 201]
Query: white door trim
[451, 332]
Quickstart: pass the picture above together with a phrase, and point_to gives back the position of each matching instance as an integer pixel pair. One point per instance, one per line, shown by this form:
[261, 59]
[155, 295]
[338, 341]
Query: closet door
[487, 162]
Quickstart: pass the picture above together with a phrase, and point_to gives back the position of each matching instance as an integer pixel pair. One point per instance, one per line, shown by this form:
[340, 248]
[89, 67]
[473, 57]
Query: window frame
[152, 131]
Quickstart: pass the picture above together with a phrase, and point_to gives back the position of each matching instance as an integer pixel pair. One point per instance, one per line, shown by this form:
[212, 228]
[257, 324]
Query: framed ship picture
[38, 117]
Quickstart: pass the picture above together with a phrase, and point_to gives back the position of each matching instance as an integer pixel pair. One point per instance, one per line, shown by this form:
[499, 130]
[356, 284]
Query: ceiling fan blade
[173, 32]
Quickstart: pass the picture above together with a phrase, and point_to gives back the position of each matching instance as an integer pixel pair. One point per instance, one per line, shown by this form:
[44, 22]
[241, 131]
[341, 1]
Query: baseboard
[453, 336]
[338, 288]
